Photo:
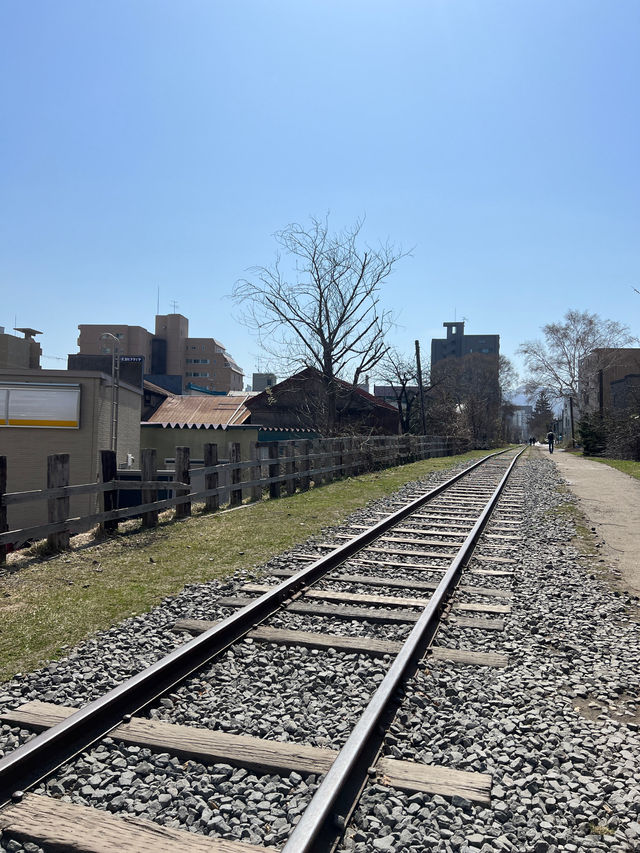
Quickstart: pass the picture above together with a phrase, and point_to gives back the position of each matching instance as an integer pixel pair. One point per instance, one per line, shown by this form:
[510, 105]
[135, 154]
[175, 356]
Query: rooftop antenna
[174, 306]
[158, 301]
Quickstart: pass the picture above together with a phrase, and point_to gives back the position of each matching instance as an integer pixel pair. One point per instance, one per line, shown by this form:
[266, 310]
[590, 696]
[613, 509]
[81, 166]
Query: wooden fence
[275, 468]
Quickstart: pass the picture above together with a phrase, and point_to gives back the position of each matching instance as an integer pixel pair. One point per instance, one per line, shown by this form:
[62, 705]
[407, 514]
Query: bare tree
[465, 399]
[324, 312]
[554, 365]
[400, 373]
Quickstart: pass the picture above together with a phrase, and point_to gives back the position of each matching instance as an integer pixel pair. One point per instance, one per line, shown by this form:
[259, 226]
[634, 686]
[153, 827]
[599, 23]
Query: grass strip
[48, 605]
[627, 466]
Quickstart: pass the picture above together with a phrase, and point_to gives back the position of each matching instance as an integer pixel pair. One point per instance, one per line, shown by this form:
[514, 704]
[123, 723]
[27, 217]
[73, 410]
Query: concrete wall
[18, 352]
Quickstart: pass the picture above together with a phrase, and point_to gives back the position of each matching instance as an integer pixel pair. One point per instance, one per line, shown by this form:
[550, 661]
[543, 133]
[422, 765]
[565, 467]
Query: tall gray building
[457, 344]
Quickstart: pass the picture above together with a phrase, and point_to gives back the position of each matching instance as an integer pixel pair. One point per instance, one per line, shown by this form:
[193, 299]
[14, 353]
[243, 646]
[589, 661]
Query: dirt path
[611, 502]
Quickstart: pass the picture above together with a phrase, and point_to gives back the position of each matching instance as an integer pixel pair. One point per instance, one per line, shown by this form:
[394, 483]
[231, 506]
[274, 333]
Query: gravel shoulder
[611, 502]
[558, 729]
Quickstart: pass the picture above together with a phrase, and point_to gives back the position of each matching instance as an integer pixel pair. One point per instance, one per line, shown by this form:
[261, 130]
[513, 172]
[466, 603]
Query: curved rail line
[323, 821]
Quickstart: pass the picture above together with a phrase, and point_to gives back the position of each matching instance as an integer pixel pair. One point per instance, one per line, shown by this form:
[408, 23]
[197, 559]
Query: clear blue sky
[149, 144]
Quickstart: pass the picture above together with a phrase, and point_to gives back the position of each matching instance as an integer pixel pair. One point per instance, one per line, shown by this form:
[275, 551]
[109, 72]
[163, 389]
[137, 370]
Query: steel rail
[33, 761]
[322, 823]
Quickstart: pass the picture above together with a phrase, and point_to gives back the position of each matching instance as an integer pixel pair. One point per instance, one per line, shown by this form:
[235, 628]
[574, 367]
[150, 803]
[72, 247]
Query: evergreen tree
[542, 417]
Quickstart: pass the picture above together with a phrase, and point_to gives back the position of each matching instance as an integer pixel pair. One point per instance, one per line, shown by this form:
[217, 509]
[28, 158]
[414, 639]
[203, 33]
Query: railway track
[377, 598]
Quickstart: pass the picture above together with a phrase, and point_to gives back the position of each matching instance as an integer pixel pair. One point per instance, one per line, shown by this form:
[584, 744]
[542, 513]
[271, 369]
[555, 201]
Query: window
[197, 361]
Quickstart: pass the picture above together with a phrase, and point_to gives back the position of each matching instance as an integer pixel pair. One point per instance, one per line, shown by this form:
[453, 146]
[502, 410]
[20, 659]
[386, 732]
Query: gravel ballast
[557, 729]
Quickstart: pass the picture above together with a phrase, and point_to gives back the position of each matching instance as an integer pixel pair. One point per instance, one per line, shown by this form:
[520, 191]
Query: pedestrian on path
[551, 437]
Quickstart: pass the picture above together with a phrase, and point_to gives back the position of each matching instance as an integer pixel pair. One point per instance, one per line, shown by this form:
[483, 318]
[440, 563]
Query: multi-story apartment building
[169, 352]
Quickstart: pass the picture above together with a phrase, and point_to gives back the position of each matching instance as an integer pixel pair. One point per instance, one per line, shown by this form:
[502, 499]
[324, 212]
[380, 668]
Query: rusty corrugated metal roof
[223, 410]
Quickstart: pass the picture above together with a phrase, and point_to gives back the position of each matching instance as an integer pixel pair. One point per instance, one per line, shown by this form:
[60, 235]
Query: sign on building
[31, 405]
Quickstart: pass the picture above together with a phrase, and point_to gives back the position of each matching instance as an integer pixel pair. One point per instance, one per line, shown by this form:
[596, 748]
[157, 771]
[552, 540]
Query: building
[625, 393]
[391, 393]
[18, 352]
[130, 367]
[457, 344]
[519, 423]
[598, 375]
[62, 411]
[300, 402]
[219, 410]
[169, 352]
[260, 381]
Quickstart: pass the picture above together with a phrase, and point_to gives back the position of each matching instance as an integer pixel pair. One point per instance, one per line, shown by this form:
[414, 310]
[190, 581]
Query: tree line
[319, 305]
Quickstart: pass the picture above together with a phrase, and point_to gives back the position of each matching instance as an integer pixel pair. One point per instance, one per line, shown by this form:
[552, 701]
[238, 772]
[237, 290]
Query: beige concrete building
[202, 362]
[20, 352]
[61, 411]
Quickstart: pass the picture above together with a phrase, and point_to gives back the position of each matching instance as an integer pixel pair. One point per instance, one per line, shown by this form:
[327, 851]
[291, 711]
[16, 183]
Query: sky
[149, 151]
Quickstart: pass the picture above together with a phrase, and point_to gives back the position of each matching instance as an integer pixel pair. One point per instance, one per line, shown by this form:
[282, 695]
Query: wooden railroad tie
[67, 826]
[350, 645]
[384, 600]
[365, 613]
[258, 754]
[397, 583]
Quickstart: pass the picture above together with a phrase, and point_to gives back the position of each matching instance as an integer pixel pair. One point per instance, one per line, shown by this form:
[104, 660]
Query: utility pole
[573, 435]
[420, 388]
[115, 389]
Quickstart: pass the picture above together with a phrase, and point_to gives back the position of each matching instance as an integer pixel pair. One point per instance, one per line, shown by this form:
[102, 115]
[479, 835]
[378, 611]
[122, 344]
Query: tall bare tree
[324, 310]
[554, 364]
[400, 373]
[465, 399]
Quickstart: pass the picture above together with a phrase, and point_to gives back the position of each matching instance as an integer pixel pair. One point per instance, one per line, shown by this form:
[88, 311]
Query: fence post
[3, 509]
[149, 471]
[274, 468]
[328, 460]
[183, 459]
[109, 472]
[340, 459]
[58, 508]
[212, 502]
[289, 468]
[353, 456]
[305, 465]
[235, 495]
[256, 472]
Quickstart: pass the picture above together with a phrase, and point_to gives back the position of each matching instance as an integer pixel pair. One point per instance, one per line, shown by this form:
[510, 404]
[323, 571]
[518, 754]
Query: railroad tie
[349, 645]
[266, 756]
[69, 826]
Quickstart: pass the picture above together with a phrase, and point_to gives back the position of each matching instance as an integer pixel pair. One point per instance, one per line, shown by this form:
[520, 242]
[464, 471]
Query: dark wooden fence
[275, 468]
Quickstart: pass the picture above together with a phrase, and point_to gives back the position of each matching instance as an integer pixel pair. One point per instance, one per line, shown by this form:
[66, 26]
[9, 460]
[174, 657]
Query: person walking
[551, 437]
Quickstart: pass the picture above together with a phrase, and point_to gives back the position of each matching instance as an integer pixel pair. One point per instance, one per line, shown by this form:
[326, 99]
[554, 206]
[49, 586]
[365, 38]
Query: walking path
[611, 502]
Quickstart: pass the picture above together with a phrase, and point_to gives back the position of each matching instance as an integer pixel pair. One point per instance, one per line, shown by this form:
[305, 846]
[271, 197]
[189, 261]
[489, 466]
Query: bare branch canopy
[324, 310]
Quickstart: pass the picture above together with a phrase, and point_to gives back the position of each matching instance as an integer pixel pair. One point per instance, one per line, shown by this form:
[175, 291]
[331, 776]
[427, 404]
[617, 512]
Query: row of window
[197, 361]
[203, 347]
